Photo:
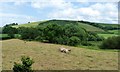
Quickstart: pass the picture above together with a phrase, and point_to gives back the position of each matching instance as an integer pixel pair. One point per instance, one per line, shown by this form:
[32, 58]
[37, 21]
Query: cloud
[7, 18]
[59, 4]
[98, 12]
[58, 9]
[65, 0]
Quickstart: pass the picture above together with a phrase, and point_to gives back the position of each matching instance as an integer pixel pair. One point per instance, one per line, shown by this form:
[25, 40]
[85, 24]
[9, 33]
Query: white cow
[64, 50]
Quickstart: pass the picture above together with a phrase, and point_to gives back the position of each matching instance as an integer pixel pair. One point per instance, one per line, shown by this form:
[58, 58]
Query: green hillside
[32, 24]
[113, 25]
[90, 27]
[61, 22]
[86, 26]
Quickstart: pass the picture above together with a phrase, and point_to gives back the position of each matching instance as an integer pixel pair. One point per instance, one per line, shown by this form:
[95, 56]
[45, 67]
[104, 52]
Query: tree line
[68, 34]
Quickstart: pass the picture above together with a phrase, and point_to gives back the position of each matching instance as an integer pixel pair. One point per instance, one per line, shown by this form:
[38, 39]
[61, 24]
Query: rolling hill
[31, 24]
[62, 22]
[90, 27]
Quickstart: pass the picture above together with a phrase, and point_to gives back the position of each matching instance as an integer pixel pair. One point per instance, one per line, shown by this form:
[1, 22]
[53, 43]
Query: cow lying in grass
[64, 50]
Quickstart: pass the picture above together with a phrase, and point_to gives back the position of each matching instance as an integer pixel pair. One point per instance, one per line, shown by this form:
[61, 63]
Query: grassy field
[32, 24]
[90, 27]
[113, 25]
[107, 35]
[48, 57]
[4, 36]
[115, 31]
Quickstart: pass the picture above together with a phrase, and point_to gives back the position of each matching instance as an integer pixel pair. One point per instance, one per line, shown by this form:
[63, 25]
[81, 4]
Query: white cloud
[7, 18]
[65, 0]
[60, 4]
[19, 3]
[94, 0]
[98, 12]
[89, 12]
[63, 9]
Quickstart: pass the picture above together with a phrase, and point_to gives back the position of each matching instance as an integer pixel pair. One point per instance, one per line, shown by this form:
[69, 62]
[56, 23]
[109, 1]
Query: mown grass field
[48, 57]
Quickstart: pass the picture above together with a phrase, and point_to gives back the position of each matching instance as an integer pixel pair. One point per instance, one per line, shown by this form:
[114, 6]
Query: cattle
[64, 50]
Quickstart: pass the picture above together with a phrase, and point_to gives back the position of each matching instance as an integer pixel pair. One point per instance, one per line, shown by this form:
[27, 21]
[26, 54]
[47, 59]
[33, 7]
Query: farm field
[90, 27]
[107, 35]
[113, 25]
[31, 24]
[48, 57]
[115, 31]
[4, 36]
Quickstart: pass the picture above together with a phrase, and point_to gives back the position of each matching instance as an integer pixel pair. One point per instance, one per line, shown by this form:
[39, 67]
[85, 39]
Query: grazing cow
[64, 50]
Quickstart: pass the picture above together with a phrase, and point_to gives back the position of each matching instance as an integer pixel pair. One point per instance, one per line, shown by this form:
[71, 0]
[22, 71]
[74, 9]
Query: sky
[23, 11]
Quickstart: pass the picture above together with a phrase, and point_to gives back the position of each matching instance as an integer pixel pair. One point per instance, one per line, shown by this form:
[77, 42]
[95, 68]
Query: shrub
[25, 66]
[74, 41]
[111, 43]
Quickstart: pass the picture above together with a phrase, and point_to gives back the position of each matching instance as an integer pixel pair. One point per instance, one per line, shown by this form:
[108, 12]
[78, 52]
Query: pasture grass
[112, 25]
[3, 35]
[90, 27]
[106, 35]
[117, 32]
[48, 57]
[31, 24]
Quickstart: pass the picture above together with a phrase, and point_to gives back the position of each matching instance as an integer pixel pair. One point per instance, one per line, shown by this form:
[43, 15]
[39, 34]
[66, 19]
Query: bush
[111, 43]
[74, 41]
[25, 66]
